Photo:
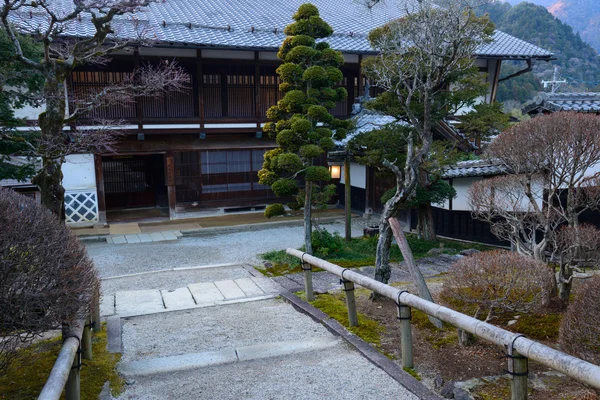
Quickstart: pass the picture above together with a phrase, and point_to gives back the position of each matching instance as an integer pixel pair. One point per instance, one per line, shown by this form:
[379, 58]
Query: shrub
[274, 210]
[325, 243]
[499, 280]
[580, 329]
[46, 277]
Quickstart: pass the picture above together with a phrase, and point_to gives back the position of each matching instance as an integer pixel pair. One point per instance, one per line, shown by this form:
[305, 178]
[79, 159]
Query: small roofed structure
[546, 103]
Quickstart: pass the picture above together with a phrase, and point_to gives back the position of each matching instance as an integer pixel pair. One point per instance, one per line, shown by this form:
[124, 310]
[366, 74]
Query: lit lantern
[336, 171]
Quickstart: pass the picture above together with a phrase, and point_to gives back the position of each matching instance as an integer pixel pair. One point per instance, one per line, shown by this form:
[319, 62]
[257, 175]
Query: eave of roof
[473, 168]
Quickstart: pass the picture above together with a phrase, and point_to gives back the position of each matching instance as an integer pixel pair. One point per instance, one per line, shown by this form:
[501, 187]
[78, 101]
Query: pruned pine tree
[426, 66]
[301, 121]
[61, 54]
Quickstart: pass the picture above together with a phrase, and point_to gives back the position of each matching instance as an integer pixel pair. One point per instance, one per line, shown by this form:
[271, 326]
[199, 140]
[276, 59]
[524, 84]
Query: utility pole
[554, 83]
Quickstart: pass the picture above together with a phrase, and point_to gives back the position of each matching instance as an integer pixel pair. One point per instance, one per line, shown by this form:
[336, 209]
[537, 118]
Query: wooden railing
[519, 349]
[77, 345]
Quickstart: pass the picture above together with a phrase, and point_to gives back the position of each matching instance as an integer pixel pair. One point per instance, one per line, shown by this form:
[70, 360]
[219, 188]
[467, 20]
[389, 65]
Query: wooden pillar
[200, 85]
[360, 78]
[257, 98]
[347, 202]
[72, 387]
[350, 302]
[100, 188]
[170, 175]
[308, 284]
[518, 370]
[138, 101]
[405, 336]
[86, 340]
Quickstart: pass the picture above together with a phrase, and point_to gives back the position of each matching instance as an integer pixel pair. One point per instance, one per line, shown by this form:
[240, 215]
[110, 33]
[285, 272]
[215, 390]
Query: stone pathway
[222, 332]
[202, 294]
[144, 237]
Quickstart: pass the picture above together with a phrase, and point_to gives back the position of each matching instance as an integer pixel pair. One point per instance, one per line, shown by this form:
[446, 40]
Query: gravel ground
[241, 247]
[337, 373]
[216, 328]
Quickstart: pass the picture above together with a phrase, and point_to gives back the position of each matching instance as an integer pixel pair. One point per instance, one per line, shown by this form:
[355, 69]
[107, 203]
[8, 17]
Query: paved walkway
[222, 332]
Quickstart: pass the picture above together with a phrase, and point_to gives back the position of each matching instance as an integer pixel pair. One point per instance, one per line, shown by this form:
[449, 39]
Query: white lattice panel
[81, 207]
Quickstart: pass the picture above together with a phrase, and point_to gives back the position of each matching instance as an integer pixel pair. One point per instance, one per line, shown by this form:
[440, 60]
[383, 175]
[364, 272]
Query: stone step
[201, 294]
[228, 355]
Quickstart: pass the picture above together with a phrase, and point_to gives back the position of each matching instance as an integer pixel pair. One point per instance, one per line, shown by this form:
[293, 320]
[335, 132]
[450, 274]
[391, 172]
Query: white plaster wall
[358, 175]
[28, 112]
[462, 185]
[78, 172]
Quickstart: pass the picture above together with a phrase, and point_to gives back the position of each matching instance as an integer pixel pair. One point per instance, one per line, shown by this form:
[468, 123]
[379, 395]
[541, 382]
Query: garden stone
[436, 252]
[461, 394]
[514, 321]
[438, 381]
[469, 252]
[448, 390]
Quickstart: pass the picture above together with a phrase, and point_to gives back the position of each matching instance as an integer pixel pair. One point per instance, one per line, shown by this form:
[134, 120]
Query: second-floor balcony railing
[223, 92]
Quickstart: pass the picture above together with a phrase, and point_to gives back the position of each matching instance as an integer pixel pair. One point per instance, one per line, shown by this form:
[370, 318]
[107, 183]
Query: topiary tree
[46, 278]
[301, 123]
[580, 328]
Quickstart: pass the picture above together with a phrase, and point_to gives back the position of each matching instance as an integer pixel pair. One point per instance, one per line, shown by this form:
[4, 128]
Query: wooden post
[72, 387]
[171, 195]
[86, 340]
[308, 284]
[350, 302]
[518, 368]
[96, 318]
[100, 188]
[404, 316]
[348, 195]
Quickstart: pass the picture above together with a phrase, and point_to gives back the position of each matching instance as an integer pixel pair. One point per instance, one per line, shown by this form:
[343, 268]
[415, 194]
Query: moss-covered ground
[358, 252]
[334, 305]
[28, 373]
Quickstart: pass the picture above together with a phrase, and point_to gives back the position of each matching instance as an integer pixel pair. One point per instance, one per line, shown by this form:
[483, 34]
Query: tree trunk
[51, 122]
[49, 180]
[564, 280]
[382, 254]
[307, 216]
[415, 272]
[425, 225]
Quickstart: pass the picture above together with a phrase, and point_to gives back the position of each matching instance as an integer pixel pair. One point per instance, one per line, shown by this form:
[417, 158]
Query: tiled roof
[367, 121]
[581, 102]
[466, 169]
[258, 24]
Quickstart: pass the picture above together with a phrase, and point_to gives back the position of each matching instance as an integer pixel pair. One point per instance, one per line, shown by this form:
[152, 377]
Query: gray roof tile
[229, 23]
[471, 168]
[580, 102]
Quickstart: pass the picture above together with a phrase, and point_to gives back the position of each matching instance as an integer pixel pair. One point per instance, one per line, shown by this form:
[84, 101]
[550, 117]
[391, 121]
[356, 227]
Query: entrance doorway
[133, 182]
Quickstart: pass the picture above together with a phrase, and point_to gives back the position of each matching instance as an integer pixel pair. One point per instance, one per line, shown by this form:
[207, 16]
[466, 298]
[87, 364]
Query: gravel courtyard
[239, 247]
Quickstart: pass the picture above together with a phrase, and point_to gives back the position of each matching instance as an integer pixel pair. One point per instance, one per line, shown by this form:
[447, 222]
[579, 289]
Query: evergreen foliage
[577, 60]
[17, 83]
[301, 122]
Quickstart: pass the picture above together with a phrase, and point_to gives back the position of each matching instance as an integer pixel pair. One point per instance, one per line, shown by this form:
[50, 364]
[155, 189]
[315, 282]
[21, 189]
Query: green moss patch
[358, 252]
[28, 373]
[334, 305]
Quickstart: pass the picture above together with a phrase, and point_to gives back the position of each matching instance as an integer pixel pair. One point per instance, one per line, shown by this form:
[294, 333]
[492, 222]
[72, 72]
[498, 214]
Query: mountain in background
[582, 15]
[578, 61]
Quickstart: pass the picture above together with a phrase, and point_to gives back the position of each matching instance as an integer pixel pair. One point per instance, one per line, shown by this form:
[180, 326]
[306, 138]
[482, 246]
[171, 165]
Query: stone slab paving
[141, 302]
[177, 299]
[205, 292]
[144, 237]
[138, 302]
[229, 289]
[249, 287]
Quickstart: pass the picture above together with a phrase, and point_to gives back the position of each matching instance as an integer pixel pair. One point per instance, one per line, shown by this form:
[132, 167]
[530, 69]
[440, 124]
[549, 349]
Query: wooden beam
[100, 188]
[200, 84]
